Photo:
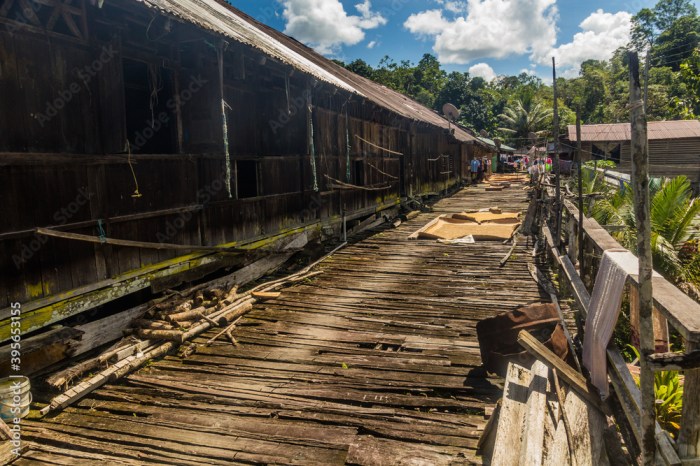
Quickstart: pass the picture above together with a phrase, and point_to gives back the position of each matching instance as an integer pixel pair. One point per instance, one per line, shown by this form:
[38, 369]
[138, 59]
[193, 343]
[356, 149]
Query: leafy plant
[673, 210]
[668, 392]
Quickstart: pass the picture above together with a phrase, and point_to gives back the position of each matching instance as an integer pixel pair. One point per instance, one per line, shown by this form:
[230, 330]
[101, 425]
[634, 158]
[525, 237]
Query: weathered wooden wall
[70, 100]
[669, 158]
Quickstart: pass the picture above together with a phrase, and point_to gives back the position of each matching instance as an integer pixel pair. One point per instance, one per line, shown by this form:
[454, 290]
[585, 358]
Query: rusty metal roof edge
[657, 130]
[233, 26]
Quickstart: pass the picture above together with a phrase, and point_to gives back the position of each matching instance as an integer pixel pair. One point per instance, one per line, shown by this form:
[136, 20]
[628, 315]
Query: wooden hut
[674, 147]
[137, 134]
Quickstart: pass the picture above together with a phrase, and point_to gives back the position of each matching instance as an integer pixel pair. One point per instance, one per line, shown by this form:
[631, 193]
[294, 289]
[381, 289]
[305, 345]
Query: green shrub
[608, 164]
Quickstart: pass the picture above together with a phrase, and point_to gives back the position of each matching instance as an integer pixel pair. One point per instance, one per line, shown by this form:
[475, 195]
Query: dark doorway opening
[247, 179]
[358, 168]
[149, 102]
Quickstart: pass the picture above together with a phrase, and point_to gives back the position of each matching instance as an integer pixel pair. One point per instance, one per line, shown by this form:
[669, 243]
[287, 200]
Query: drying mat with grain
[450, 228]
[489, 217]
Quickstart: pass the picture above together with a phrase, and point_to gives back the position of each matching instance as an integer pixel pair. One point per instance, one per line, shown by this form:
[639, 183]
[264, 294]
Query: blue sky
[485, 37]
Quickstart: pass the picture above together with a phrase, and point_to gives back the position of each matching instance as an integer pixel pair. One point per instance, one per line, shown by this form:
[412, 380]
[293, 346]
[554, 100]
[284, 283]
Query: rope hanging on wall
[136, 193]
[286, 88]
[312, 148]
[156, 85]
[224, 123]
[348, 174]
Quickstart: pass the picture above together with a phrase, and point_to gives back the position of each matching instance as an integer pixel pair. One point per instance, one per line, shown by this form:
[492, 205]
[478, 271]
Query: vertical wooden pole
[640, 183]
[689, 437]
[557, 168]
[579, 162]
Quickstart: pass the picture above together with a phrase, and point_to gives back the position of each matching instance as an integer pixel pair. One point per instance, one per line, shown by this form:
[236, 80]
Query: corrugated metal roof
[222, 18]
[622, 131]
[492, 144]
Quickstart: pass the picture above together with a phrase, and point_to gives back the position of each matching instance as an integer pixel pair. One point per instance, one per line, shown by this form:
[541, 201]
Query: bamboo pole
[579, 159]
[640, 183]
[557, 168]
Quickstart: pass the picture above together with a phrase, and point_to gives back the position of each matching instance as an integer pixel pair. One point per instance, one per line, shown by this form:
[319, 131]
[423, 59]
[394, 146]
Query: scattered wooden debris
[264, 296]
[527, 435]
[209, 313]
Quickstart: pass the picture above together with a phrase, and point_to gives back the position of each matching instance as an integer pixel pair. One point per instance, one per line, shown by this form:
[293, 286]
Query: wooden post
[557, 168]
[689, 436]
[579, 160]
[640, 184]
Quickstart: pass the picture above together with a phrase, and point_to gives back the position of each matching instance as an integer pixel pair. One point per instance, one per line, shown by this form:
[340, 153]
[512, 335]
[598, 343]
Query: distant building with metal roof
[674, 147]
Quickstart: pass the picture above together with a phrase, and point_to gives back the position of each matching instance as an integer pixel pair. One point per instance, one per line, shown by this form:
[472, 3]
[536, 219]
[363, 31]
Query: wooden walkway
[373, 362]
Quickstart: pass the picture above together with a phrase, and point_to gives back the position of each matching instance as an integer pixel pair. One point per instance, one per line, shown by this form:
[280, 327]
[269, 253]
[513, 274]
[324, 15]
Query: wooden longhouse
[674, 147]
[138, 133]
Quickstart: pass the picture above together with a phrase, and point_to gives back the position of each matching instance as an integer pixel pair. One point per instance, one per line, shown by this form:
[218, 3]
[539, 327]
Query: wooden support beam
[575, 380]
[134, 244]
[675, 361]
[40, 313]
[42, 350]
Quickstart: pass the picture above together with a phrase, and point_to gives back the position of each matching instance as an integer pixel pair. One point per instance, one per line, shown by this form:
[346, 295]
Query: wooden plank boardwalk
[373, 362]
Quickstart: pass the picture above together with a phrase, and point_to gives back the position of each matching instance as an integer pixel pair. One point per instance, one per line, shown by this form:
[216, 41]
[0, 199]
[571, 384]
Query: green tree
[687, 102]
[668, 11]
[361, 67]
[522, 118]
[677, 43]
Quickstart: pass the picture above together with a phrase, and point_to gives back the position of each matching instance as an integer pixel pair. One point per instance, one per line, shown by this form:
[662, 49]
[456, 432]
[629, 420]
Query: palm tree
[673, 210]
[521, 119]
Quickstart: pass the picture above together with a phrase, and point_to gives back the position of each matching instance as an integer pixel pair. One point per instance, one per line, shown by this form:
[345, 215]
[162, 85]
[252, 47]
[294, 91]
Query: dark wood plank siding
[64, 161]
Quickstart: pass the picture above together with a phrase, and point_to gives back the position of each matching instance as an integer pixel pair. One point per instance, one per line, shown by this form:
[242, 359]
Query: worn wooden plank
[532, 448]
[512, 418]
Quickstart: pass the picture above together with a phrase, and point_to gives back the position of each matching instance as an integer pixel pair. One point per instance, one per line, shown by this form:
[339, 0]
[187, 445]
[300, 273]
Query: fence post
[640, 184]
[689, 436]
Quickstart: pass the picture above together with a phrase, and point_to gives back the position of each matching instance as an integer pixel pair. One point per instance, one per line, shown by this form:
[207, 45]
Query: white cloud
[483, 70]
[326, 26]
[426, 23]
[602, 34]
[454, 6]
[372, 44]
[490, 28]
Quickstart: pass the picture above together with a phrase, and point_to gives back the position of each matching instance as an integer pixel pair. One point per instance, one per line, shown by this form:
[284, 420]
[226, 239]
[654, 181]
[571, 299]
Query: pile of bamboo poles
[167, 324]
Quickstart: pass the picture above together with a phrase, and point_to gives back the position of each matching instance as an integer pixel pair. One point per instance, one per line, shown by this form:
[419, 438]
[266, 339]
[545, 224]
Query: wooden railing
[681, 312]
